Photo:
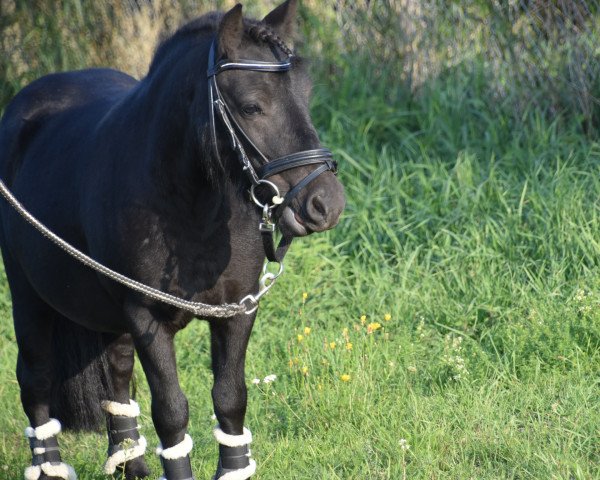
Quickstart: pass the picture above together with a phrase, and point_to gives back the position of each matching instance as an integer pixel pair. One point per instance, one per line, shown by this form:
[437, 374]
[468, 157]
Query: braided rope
[226, 310]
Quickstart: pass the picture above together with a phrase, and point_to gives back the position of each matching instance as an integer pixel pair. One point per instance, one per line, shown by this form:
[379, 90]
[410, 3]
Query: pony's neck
[173, 101]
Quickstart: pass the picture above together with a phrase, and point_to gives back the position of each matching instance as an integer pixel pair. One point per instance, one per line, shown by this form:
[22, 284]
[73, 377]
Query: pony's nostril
[319, 205]
[317, 208]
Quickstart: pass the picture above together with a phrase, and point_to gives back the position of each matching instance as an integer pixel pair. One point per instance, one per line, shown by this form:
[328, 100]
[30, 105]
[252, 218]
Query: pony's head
[261, 113]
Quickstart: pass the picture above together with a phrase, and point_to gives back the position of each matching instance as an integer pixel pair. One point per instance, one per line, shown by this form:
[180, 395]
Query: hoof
[239, 474]
[134, 469]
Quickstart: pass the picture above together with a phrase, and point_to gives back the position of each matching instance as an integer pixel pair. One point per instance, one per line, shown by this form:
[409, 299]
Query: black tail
[82, 377]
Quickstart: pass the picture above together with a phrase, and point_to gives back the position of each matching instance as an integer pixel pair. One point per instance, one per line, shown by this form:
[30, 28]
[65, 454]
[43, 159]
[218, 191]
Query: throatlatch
[124, 440]
[45, 453]
[234, 455]
[176, 460]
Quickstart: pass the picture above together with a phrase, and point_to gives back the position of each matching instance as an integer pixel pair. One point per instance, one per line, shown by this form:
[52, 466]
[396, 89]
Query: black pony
[150, 178]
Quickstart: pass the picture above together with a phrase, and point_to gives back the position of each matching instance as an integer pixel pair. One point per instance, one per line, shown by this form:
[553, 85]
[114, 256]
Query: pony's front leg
[229, 340]
[153, 341]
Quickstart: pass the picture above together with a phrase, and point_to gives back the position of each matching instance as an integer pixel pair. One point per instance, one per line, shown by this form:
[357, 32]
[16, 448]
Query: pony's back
[50, 99]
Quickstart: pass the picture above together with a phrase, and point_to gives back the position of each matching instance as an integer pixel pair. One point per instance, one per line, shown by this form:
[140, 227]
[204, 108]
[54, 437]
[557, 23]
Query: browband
[253, 65]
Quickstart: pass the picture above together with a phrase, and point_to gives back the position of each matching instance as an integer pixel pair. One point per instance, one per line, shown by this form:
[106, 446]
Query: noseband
[320, 157]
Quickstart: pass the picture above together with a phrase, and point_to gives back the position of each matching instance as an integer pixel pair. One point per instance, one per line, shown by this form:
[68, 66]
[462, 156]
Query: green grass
[478, 232]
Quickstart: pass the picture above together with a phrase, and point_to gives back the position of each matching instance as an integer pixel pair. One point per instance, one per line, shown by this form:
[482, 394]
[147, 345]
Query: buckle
[266, 227]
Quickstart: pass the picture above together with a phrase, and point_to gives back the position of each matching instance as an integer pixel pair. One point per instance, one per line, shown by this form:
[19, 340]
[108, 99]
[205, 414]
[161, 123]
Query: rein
[201, 309]
[271, 212]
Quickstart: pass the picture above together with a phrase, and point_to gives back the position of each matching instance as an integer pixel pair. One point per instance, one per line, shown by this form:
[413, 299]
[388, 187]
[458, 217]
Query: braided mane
[207, 24]
[262, 33]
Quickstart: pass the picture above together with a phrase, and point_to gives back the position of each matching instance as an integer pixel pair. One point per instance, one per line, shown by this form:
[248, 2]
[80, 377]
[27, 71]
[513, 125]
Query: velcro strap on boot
[177, 469]
[43, 442]
[234, 458]
[44, 450]
[176, 461]
[120, 429]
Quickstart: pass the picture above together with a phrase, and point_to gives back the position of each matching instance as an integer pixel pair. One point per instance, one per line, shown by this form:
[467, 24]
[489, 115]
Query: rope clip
[266, 282]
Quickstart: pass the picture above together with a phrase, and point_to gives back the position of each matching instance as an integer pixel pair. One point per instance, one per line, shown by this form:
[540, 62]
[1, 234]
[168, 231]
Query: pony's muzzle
[323, 206]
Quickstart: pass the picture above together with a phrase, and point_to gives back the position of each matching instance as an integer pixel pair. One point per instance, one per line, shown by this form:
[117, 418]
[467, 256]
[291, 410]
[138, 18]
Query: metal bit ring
[270, 184]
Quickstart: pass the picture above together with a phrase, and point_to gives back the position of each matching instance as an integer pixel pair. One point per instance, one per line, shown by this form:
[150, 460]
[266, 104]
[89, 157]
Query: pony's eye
[252, 109]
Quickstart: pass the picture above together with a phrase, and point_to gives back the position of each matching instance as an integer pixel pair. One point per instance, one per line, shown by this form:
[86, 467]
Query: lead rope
[248, 304]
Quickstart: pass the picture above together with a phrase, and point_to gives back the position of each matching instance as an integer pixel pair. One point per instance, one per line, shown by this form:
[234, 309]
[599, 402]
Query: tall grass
[532, 52]
[457, 304]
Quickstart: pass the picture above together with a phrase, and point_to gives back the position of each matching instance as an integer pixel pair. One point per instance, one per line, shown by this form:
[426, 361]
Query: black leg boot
[45, 453]
[234, 456]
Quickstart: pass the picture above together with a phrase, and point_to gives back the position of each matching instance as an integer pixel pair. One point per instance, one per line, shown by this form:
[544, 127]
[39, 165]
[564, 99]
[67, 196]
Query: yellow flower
[349, 346]
[387, 317]
[304, 296]
[306, 330]
[363, 319]
[332, 345]
[345, 377]
[304, 370]
[300, 337]
[319, 387]
[371, 327]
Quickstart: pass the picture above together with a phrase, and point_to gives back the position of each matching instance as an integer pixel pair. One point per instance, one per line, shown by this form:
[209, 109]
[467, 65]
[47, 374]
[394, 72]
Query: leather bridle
[321, 157]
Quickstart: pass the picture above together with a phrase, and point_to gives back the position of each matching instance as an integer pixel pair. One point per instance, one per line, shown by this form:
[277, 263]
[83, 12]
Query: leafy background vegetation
[449, 327]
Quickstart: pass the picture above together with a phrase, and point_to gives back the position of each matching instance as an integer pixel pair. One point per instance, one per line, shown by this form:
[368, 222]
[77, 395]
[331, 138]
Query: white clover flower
[256, 381]
[270, 378]
[404, 444]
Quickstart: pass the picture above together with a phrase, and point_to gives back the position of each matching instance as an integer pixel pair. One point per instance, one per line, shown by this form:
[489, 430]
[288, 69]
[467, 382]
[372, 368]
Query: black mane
[190, 32]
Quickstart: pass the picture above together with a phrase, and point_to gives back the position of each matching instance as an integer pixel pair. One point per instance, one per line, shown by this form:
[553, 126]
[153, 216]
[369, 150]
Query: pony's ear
[231, 31]
[283, 20]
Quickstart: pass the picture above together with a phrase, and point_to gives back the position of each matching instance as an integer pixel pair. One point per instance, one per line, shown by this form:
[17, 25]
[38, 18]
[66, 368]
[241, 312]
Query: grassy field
[449, 328]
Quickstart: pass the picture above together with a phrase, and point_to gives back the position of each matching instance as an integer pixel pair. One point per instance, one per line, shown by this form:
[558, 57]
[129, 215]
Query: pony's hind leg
[34, 328]
[229, 340]
[126, 446]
